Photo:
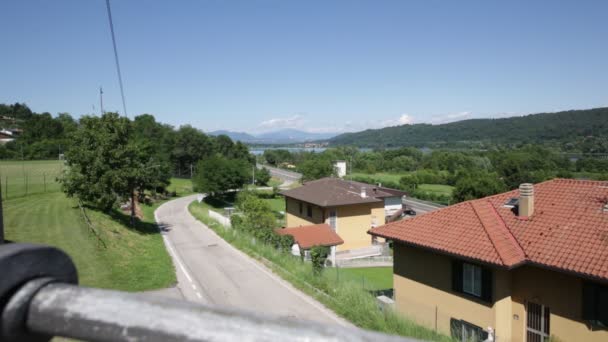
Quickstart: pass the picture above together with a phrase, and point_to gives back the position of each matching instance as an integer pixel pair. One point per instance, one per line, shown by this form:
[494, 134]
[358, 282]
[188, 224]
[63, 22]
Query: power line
[122, 92]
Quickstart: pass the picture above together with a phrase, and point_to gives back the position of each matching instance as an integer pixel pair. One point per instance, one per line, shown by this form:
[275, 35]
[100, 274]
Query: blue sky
[315, 65]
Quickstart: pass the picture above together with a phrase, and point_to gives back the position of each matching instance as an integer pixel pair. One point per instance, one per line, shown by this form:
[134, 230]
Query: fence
[374, 261]
[24, 178]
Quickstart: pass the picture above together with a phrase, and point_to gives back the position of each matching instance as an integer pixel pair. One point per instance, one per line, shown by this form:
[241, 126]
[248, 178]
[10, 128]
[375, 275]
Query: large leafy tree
[316, 168]
[477, 185]
[106, 165]
[217, 174]
[190, 146]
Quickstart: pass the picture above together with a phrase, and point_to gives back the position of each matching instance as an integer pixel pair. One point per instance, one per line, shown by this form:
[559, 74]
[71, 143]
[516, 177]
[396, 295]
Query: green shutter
[486, 284]
[589, 313]
[457, 275]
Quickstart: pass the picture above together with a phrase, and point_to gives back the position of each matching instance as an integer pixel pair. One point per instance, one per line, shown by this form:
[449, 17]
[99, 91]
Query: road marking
[176, 257]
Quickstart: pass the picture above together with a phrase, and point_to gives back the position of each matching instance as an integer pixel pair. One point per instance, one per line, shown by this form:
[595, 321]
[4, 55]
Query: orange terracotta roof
[568, 230]
[315, 235]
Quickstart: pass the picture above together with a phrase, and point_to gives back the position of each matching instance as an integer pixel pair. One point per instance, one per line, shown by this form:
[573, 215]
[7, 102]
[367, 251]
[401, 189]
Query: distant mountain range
[561, 127]
[283, 136]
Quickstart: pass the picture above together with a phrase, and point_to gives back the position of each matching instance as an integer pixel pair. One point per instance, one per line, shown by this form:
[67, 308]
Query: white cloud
[294, 121]
[405, 119]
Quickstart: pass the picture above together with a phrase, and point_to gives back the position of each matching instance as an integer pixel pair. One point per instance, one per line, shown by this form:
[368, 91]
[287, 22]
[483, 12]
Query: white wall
[340, 168]
[392, 204]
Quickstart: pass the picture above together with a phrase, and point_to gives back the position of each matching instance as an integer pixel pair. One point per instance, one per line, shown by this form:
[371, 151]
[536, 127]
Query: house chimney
[526, 200]
[363, 192]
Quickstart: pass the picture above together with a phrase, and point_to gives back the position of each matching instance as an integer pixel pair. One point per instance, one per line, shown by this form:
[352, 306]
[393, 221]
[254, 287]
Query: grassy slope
[182, 186]
[439, 189]
[135, 259]
[19, 178]
[372, 278]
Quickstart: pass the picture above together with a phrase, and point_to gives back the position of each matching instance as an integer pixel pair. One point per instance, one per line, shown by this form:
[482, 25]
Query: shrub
[318, 254]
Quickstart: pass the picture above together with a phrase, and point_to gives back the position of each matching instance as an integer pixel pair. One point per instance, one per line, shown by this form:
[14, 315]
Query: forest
[584, 131]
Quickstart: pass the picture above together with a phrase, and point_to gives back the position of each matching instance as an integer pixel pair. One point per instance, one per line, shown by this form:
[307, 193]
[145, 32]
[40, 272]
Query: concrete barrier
[223, 220]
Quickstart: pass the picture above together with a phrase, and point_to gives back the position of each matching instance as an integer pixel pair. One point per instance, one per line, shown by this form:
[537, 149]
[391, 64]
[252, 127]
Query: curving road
[211, 271]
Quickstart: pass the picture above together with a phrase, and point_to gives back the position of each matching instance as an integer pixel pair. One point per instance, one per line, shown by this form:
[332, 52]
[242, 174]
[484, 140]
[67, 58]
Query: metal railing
[40, 298]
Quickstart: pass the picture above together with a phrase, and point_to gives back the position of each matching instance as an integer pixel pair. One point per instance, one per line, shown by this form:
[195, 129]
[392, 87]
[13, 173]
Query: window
[595, 305]
[471, 279]
[537, 325]
[466, 332]
[332, 219]
[301, 210]
[309, 210]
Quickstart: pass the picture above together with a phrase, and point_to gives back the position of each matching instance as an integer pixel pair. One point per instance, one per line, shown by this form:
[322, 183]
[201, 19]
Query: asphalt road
[421, 207]
[286, 176]
[211, 271]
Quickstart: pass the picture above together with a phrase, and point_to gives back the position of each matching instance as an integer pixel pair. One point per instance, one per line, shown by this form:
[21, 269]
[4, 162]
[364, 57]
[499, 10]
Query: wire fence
[20, 179]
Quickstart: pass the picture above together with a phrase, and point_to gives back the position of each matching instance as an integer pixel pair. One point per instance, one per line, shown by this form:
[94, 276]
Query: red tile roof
[568, 230]
[315, 235]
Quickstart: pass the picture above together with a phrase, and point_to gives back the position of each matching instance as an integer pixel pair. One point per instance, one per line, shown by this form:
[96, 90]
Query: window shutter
[457, 275]
[486, 284]
[588, 302]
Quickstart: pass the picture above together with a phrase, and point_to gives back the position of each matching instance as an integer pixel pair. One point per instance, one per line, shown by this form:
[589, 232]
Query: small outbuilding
[306, 237]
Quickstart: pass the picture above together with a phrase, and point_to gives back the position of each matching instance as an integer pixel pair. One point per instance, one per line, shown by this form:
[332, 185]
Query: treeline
[583, 131]
[46, 137]
[473, 174]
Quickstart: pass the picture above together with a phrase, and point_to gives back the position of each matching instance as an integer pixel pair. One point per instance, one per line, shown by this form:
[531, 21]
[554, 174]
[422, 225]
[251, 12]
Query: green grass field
[276, 204]
[181, 186]
[438, 189]
[135, 258]
[381, 176]
[371, 278]
[21, 178]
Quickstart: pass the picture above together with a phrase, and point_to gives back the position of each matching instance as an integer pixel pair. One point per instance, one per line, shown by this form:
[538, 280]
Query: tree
[106, 166]
[477, 185]
[262, 176]
[257, 214]
[216, 175]
[316, 168]
[191, 145]
[409, 182]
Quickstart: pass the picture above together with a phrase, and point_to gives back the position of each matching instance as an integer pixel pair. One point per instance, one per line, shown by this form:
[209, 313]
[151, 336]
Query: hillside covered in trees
[570, 129]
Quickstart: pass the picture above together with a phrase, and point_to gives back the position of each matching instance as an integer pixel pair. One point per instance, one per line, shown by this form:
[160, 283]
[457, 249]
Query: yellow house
[526, 265]
[349, 208]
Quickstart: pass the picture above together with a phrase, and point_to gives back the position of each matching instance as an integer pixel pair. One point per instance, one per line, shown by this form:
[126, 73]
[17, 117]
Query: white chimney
[363, 192]
[526, 200]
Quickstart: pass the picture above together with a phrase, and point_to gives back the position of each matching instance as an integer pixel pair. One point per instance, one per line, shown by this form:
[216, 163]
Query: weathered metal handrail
[39, 299]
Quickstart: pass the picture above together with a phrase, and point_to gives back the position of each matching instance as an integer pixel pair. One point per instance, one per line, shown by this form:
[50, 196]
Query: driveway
[211, 271]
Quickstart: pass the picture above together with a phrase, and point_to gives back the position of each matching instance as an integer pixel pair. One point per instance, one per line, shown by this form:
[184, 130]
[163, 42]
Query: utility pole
[101, 99]
[253, 176]
[1, 218]
[191, 171]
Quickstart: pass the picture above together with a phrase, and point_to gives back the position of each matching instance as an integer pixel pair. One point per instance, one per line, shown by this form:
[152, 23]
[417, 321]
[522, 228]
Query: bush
[318, 255]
